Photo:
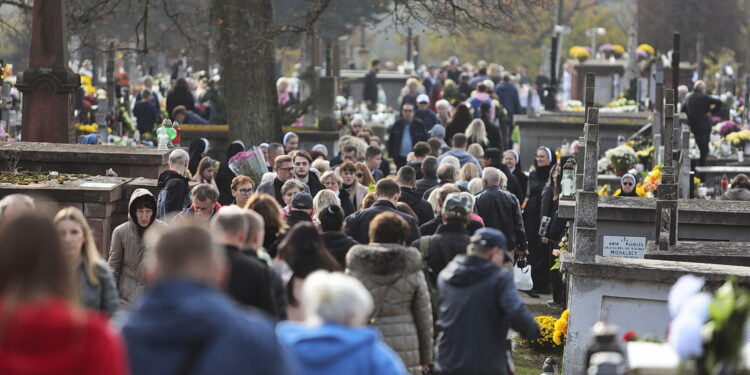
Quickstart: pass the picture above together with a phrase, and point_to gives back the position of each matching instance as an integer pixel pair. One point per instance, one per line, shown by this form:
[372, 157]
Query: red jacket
[50, 338]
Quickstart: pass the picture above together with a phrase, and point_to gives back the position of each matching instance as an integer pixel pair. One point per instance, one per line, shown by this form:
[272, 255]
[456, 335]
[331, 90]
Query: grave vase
[747, 149]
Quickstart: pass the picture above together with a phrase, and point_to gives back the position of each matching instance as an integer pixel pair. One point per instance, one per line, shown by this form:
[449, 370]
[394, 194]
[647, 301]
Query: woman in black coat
[460, 120]
[180, 95]
[532, 217]
[225, 175]
[197, 149]
[551, 233]
[513, 161]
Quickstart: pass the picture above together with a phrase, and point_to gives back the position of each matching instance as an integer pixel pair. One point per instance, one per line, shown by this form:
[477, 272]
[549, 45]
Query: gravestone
[48, 84]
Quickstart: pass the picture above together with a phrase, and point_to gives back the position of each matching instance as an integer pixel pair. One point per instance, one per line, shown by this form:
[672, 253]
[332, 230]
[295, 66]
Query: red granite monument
[48, 84]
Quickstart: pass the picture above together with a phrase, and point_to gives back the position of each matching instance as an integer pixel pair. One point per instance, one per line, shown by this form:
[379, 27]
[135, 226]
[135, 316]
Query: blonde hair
[475, 150]
[476, 131]
[325, 198]
[469, 171]
[333, 175]
[475, 185]
[321, 165]
[89, 253]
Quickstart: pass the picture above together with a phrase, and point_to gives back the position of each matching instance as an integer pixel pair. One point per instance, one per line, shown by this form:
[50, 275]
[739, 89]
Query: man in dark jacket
[424, 112]
[408, 182]
[447, 174]
[183, 324]
[301, 161]
[493, 157]
[404, 133]
[300, 209]
[451, 238]
[508, 97]
[500, 210]
[431, 227]
[478, 303]
[698, 107]
[370, 90]
[174, 191]
[387, 193]
[429, 175]
[250, 280]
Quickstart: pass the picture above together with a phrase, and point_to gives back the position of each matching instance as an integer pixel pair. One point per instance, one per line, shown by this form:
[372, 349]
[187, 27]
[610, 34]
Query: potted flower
[580, 53]
[644, 51]
[618, 50]
[621, 159]
[607, 49]
[740, 139]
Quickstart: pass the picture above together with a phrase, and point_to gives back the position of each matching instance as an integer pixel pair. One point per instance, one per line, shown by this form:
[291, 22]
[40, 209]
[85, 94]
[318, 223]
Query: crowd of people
[381, 255]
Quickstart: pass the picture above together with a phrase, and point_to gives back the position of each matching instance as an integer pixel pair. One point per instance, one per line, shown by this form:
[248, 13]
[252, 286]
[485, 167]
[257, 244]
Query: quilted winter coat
[403, 314]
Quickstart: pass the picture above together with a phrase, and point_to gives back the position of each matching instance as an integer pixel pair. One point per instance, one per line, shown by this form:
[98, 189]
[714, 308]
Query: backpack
[429, 275]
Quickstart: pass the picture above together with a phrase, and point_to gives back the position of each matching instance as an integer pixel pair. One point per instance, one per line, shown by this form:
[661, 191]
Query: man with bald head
[174, 191]
[14, 205]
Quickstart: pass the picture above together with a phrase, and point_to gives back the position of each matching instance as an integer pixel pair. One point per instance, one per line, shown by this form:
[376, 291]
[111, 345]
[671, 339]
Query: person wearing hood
[512, 160]
[532, 214]
[197, 149]
[45, 330]
[740, 190]
[225, 175]
[478, 303]
[407, 181]
[628, 181]
[127, 248]
[183, 324]
[392, 272]
[335, 339]
[174, 191]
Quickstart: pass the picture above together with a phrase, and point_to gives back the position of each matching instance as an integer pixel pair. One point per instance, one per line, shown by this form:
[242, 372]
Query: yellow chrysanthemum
[618, 49]
[647, 48]
[561, 328]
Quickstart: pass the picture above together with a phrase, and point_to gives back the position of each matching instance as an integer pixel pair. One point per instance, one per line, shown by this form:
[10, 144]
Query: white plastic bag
[522, 277]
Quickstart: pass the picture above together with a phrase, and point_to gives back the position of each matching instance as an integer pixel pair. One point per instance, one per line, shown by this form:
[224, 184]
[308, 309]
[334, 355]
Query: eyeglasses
[360, 175]
[245, 191]
[287, 169]
[424, 103]
[627, 184]
[407, 110]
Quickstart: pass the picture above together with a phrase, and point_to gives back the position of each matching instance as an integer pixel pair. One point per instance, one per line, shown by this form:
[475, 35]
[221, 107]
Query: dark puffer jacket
[338, 244]
[403, 314]
[478, 303]
[440, 248]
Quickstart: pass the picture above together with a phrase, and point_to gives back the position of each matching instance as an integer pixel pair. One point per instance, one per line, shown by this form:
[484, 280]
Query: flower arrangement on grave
[727, 127]
[603, 191]
[607, 49]
[564, 246]
[651, 182]
[620, 105]
[90, 128]
[250, 163]
[546, 333]
[647, 49]
[708, 329]
[561, 328]
[580, 53]
[646, 155]
[621, 158]
[573, 106]
[618, 50]
[739, 138]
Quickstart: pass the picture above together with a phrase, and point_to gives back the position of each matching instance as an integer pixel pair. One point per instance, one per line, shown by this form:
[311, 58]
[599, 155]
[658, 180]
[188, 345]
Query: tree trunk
[246, 52]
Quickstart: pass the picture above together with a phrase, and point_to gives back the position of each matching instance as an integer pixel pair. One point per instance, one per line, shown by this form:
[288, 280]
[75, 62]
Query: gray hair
[178, 156]
[492, 176]
[15, 199]
[450, 159]
[335, 298]
[442, 103]
[204, 192]
[358, 120]
[230, 220]
[468, 196]
[292, 183]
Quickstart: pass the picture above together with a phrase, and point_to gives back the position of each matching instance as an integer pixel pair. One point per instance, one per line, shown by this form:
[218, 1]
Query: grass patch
[527, 359]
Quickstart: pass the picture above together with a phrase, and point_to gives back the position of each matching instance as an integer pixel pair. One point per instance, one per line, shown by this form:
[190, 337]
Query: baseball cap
[491, 237]
[302, 201]
[456, 205]
[423, 98]
[437, 131]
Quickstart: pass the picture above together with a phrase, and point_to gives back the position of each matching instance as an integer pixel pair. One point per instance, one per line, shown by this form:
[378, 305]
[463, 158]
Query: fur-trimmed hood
[383, 262]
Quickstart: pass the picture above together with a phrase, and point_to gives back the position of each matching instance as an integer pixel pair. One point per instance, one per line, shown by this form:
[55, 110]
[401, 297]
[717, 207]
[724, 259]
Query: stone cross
[667, 128]
[588, 94]
[587, 200]
[666, 203]
[48, 84]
